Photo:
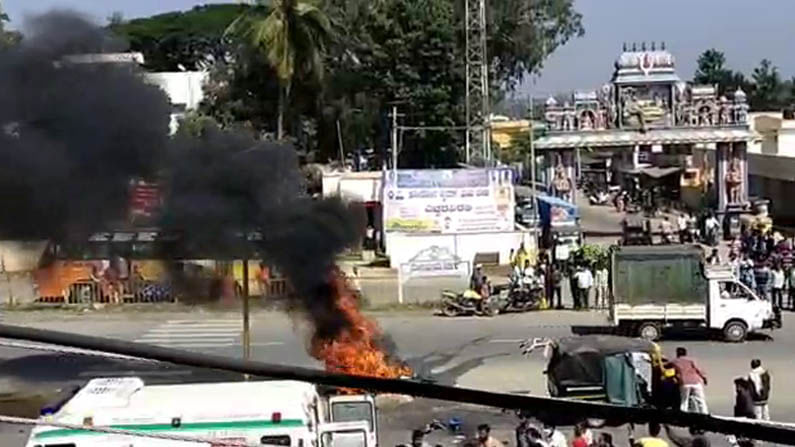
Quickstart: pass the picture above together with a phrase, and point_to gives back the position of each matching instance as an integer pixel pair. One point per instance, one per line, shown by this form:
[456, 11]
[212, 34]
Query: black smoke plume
[74, 135]
[235, 197]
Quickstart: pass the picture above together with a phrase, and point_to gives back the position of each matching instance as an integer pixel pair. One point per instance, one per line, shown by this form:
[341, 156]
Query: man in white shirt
[711, 228]
[681, 226]
[600, 282]
[778, 286]
[584, 279]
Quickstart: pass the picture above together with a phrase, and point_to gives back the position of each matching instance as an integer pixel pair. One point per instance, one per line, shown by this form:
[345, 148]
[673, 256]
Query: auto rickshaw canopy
[607, 368]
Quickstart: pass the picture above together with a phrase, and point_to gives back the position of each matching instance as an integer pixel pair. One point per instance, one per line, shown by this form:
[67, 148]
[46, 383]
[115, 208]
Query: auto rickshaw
[606, 368]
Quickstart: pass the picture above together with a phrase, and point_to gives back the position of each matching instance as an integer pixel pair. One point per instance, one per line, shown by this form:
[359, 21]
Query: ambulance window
[352, 412]
[347, 438]
[60, 445]
[279, 441]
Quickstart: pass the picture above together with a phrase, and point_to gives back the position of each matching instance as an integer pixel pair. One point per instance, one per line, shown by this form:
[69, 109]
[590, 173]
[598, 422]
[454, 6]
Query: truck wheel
[649, 330]
[735, 331]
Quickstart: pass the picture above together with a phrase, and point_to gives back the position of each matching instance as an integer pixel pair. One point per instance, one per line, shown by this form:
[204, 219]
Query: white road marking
[508, 340]
[194, 334]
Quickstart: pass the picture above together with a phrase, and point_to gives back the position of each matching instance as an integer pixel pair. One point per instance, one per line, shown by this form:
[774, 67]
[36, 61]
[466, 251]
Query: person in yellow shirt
[653, 440]
[521, 255]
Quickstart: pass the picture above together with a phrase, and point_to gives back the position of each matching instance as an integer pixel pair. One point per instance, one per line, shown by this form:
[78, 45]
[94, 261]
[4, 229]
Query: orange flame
[355, 350]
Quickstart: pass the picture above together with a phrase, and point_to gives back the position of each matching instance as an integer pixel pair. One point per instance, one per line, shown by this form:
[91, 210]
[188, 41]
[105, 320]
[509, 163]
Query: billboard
[448, 200]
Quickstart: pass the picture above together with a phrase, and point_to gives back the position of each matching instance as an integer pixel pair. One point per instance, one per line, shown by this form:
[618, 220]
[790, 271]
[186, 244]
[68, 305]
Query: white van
[272, 413]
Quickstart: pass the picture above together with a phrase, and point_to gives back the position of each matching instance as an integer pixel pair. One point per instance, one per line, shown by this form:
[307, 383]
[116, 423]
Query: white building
[185, 89]
[771, 163]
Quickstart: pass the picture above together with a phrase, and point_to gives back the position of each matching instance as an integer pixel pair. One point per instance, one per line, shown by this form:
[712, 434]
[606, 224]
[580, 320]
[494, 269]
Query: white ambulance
[267, 413]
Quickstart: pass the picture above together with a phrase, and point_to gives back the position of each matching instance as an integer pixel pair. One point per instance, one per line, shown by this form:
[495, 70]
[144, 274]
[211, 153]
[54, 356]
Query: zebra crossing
[195, 334]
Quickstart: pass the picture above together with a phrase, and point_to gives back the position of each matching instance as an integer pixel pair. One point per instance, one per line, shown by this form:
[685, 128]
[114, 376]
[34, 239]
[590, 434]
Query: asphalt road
[468, 352]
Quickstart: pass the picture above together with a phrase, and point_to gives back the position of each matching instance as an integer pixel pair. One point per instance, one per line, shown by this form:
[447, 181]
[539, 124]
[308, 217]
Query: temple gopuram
[647, 118]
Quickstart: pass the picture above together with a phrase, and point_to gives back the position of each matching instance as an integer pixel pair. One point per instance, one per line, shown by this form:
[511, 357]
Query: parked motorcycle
[455, 304]
[599, 198]
[519, 297]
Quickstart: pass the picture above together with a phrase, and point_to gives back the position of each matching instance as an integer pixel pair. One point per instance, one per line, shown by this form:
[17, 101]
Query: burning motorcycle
[465, 303]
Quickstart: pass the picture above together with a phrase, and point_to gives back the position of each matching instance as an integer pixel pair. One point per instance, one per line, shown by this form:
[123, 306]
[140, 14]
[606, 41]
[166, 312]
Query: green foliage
[522, 33]
[378, 53]
[766, 90]
[196, 124]
[291, 35]
[596, 255]
[180, 38]
[8, 39]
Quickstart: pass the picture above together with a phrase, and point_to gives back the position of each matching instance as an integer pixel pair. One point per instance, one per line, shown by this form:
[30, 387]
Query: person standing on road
[761, 277]
[711, 230]
[692, 381]
[743, 398]
[584, 279]
[601, 285]
[476, 281]
[665, 231]
[556, 286]
[681, 226]
[777, 275]
[791, 285]
[760, 381]
[714, 257]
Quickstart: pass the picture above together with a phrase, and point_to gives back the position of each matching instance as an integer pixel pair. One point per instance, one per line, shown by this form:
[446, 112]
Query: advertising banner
[449, 200]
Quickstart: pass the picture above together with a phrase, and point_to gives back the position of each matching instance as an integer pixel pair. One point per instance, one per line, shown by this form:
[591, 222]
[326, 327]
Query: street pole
[246, 319]
[394, 139]
[342, 149]
[533, 166]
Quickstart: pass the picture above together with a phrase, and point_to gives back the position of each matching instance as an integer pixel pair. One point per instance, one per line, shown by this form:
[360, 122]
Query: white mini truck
[663, 286]
[267, 413]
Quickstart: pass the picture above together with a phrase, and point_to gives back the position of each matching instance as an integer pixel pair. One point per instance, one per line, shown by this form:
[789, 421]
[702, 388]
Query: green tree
[768, 92]
[187, 39]
[711, 68]
[523, 33]
[292, 35]
[8, 39]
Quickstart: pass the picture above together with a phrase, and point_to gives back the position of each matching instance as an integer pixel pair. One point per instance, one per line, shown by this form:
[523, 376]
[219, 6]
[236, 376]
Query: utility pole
[246, 312]
[395, 129]
[533, 162]
[342, 148]
[478, 137]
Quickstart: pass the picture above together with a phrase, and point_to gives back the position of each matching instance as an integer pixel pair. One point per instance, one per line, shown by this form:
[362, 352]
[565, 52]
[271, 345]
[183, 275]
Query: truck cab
[735, 309]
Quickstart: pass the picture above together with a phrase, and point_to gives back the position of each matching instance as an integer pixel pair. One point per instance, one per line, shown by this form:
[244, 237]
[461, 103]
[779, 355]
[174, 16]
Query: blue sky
[747, 31]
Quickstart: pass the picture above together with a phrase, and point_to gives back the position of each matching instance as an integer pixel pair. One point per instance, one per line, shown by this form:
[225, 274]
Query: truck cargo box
[663, 274]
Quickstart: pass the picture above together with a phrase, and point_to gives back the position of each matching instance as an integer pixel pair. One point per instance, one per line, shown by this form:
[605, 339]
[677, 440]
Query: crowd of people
[684, 383]
[586, 279]
[764, 263]
[530, 434]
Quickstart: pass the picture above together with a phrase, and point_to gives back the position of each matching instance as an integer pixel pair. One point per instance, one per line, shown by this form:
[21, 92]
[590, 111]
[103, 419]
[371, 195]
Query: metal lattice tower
[478, 138]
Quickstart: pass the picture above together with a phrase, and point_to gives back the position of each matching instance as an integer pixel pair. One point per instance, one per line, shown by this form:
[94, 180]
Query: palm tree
[292, 35]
